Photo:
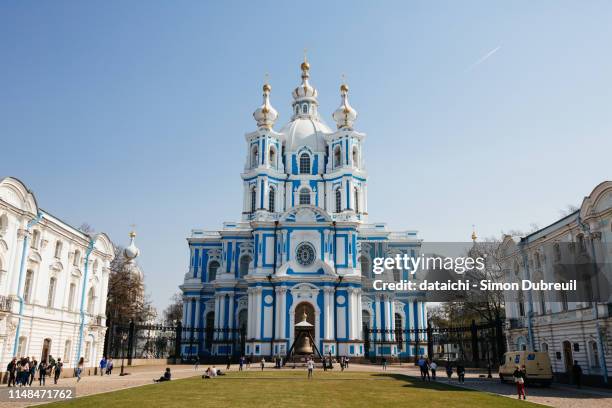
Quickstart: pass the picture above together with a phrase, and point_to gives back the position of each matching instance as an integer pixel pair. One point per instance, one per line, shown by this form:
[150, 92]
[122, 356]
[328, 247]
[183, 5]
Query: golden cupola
[265, 115]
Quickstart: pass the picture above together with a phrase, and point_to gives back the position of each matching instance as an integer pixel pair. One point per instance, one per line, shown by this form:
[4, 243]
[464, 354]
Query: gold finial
[344, 87]
[266, 86]
[132, 233]
[305, 65]
[304, 316]
[474, 237]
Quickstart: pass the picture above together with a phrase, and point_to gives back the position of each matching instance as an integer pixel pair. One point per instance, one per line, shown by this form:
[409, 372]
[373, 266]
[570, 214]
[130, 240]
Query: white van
[537, 365]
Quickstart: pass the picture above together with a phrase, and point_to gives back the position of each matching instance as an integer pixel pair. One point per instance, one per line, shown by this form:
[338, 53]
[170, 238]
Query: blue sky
[119, 113]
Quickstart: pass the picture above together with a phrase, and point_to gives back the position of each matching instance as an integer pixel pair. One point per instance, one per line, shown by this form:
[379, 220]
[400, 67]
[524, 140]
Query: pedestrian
[433, 366]
[263, 363]
[196, 363]
[324, 361]
[346, 362]
[449, 370]
[249, 360]
[577, 374]
[229, 363]
[519, 379]
[79, 368]
[57, 370]
[42, 373]
[426, 370]
[310, 368]
[384, 363]
[109, 366]
[102, 365]
[11, 368]
[240, 363]
[461, 372]
[33, 368]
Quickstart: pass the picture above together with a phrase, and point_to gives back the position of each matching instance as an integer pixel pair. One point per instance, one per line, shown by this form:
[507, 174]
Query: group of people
[426, 366]
[22, 372]
[106, 366]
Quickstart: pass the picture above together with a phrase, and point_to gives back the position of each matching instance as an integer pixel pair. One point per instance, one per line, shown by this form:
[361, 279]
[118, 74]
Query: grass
[290, 388]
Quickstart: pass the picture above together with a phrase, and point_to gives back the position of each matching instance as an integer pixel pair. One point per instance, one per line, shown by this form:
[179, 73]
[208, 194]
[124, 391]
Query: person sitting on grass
[166, 377]
[210, 373]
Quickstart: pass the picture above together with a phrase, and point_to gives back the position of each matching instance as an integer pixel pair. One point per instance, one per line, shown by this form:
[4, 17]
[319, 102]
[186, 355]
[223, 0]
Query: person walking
[519, 379]
[102, 365]
[461, 372]
[384, 363]
[42, 373]
[310, 365]
[57, 370]
[263, 363]
[79, 369]
[11, 368]
[426, 370]
[577, 374]
[229, 363]
[109, 366]
[421, 364]
[240, 363]
[33, 368]
[433, 366]
[449, 371]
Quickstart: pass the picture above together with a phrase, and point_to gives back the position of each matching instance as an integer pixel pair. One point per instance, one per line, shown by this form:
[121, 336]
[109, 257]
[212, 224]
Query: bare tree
[86, 228]
[126, 300]
[174, 311]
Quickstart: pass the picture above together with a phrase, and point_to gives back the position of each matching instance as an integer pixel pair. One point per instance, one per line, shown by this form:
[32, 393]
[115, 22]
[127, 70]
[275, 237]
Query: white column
[197, 314]
[377, 311]
[230, 321]
[359, 317]
[392, 321]
[217, 316]
[283, 312]
[328, 313]
[258, 307]
[349, 301]
[250, 313]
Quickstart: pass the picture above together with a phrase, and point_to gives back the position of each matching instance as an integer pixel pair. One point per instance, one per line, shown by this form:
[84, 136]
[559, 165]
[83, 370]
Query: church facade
[303, 247]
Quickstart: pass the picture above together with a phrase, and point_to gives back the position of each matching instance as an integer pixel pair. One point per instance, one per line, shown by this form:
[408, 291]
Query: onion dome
[131, 252]
[265, 115]
[345, 115]
[305, 90]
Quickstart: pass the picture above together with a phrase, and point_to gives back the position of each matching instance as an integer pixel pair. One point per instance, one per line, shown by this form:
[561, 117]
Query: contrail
[483, 58]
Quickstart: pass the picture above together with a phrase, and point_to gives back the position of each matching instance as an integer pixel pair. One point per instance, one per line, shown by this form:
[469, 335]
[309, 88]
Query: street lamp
[124, 337]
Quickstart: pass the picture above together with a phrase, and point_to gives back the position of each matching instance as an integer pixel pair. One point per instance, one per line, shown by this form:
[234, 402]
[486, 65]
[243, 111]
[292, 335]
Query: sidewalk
[557, 395]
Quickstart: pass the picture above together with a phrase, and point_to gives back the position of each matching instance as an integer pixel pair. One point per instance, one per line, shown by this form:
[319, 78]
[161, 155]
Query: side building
[573, 325]
[53, 277]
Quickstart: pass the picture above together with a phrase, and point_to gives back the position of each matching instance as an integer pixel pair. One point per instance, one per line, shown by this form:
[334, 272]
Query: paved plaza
[557, 395]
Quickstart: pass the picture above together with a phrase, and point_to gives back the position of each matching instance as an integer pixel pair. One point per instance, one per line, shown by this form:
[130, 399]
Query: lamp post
[124, 337]
[336, 315]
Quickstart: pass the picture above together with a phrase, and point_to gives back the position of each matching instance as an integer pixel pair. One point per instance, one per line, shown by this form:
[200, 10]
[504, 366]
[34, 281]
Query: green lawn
[290, 388]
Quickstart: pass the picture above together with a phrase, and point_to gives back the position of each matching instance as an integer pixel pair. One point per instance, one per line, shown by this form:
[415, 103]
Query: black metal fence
[478, 345]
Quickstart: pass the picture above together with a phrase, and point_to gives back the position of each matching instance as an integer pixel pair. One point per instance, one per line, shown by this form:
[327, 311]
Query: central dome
[309, 132]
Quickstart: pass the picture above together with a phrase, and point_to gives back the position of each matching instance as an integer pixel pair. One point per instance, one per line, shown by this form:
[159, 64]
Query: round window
[305, 254]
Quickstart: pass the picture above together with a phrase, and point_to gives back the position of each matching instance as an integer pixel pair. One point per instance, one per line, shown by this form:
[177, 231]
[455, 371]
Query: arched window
[305, 108]
[27, 287]
[22, 347]
[593, 354]
[545, 347]
[365, 266]
[521, 304]
[95, 267]
[77, 257]
[91, 301]
[538, 263]
[3, 224]
[51, 293]
[397, 274]
[304, 163]
[245, 261]
[355, 156]
[58, 249]
[253, 199]
[563, 299]
[35, 239]
[297, 109]
[272, 199]
[254, 156]
[272, 157]
[212, 270]
[356, 200]
[67, 350]
[557, 250]
[337, 156]
[71, 296]
[304, 196]
[338, 200]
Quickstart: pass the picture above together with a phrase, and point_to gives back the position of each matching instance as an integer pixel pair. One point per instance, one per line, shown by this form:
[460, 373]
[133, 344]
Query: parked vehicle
[537, 366]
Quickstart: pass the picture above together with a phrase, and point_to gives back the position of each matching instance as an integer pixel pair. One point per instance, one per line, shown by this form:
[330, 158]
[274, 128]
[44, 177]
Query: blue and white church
[303, 248]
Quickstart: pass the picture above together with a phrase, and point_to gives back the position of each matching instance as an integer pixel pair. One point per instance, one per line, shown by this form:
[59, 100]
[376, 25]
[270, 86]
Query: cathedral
[302, 253]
